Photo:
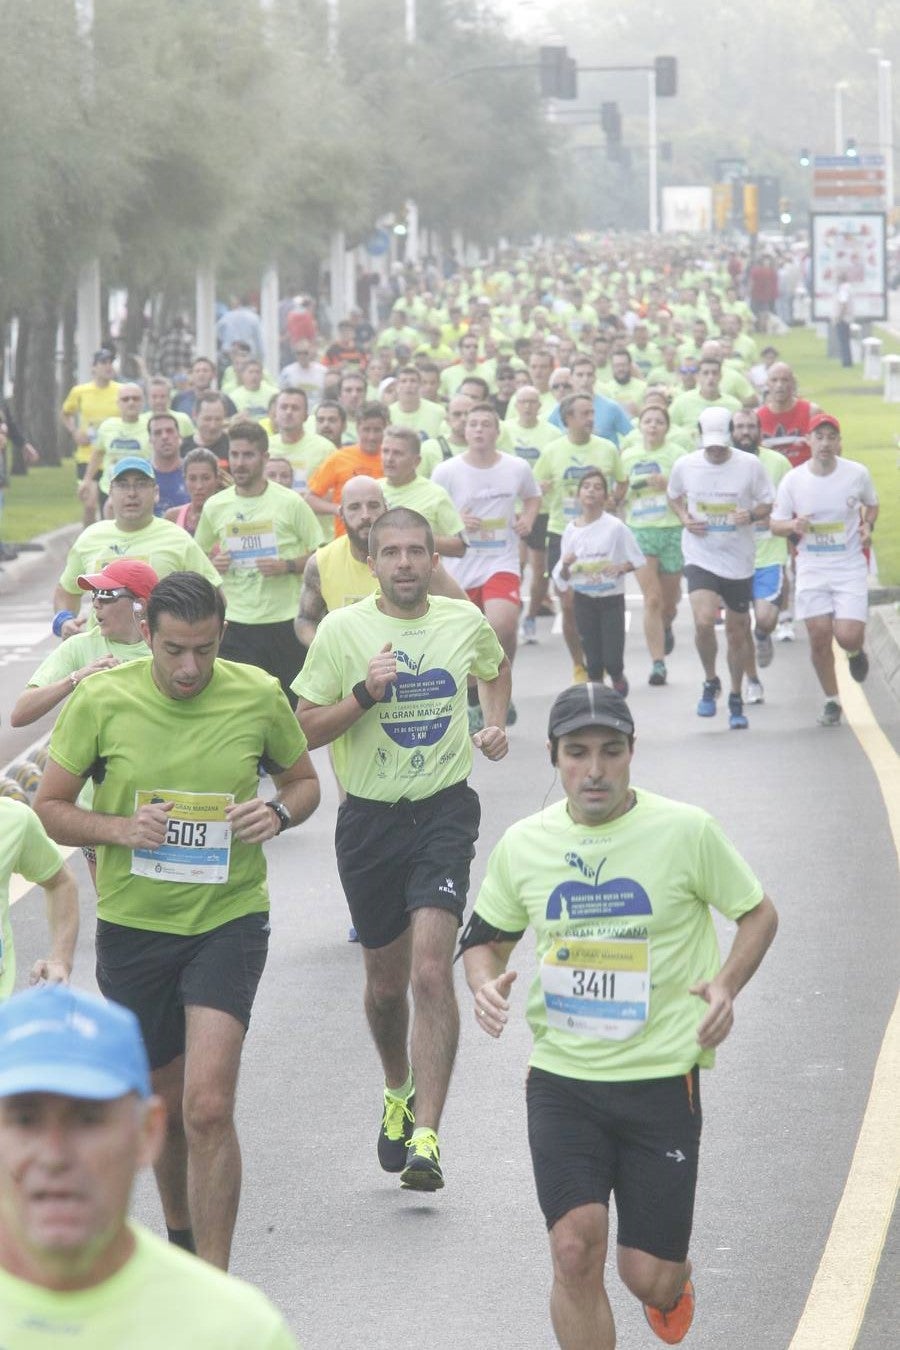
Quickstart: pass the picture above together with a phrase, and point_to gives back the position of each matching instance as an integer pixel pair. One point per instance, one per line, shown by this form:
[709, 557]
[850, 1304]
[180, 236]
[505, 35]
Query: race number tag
[491, 533]
[249, 540]
[827, 536]
[589, 577]
[719, 516]
[197, 847]
[649, 507]
[598, 988]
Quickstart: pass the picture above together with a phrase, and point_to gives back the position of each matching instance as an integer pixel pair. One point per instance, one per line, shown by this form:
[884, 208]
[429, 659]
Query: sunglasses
[109, 597]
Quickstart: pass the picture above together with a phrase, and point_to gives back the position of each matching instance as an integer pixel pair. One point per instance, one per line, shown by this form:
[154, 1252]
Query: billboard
[687, 210]
[851, 245]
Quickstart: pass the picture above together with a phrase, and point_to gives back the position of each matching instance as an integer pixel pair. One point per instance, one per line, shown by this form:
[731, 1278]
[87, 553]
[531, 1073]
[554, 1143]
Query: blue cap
[135, 463]
[58, 1039]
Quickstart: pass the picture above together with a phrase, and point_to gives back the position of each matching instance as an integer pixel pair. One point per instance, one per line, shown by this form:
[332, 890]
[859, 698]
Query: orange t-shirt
[331, 475]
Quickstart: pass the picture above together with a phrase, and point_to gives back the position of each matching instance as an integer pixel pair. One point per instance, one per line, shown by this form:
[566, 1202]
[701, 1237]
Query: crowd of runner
[347, 551]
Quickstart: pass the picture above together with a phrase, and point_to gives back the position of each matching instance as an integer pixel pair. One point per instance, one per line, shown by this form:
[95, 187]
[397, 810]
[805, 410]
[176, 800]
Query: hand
[720, 1019]
[71, 627]
[800, 525]
[32, 456]
[82, 438]
[147, 827]
[87, 490]
[272, 567]
[657, 481]
[492, 742]
[101, 663]
[220, 559]
[492, 1003]
[741, 518]
[471, 522]
[695, 526]
[49, 971]
[382, 670]
[253, 822]
[865, 532]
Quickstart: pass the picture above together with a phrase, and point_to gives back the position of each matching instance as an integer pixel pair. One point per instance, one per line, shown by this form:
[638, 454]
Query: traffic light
[611, 122]
[805, 158]
[666, 68]
[558, 73]
[851, 151]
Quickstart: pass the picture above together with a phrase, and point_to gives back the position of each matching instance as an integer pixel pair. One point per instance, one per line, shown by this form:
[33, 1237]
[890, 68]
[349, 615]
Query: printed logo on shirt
[586, 897]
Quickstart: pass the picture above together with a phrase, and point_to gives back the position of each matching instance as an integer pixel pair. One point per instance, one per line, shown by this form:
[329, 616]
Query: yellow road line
[840, 1291]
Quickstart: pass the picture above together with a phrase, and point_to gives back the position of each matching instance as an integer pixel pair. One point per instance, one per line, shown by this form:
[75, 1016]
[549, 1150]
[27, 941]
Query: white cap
[715, 427]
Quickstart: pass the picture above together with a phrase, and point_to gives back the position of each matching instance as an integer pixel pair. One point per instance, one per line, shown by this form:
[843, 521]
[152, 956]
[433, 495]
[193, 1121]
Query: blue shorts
[768, 583]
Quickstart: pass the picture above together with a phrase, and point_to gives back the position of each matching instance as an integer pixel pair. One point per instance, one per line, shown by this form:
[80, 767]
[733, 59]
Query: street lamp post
[653, 151]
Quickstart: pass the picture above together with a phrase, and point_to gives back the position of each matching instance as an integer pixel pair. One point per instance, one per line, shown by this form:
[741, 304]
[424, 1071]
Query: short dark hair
[476, 379]
[370, 412]
[568, 403]
[200, 455]
[298, 393]
[408, 435]
[252, 432]
[210, 396]
[333, 403]
[399, 518]
[162, 417]
[186, 596]
[594, 472]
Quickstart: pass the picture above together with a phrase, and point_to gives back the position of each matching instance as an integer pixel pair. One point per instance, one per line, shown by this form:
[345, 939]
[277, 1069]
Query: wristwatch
[283, 814]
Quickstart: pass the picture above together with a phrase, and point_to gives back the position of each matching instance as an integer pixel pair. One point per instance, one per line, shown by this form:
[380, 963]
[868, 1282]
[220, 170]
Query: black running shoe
[397, 1125]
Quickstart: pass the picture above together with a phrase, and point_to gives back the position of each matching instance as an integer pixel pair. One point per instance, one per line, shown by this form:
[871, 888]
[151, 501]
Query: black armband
[478, 933]
[362, 696]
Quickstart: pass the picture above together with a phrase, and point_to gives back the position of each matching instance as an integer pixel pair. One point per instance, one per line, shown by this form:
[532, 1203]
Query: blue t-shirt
[172, 491]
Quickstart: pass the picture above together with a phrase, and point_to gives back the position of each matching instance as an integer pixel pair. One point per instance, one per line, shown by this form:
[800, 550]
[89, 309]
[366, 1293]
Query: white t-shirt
[831, 550]
[491, 494]
[595, 546]
[714, 492]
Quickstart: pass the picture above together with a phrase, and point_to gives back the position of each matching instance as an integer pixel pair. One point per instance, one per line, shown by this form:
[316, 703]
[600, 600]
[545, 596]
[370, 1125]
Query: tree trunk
[36, 397]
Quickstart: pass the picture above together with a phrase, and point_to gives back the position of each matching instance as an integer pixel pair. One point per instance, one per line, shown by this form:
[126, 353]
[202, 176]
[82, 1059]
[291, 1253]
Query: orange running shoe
[674, 1325]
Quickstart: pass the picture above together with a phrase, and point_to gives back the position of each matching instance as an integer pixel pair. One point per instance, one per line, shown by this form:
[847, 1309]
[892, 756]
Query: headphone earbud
[137, 606]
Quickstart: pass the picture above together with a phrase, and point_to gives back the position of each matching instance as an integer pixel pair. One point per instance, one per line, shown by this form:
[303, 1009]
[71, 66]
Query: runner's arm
[312, 608]
[485, 959]
[493, 695]
[67, 823]
[61, 891]
[756, 930]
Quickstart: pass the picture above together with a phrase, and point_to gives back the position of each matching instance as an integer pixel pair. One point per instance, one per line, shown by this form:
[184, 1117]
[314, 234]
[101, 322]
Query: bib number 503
[186, 833]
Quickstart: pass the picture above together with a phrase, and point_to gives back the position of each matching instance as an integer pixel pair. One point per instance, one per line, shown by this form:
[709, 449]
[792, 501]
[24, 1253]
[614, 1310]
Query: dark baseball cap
[104, 354]
[589, 705]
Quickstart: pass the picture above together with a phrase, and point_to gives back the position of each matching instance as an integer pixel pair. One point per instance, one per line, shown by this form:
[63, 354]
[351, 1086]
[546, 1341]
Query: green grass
[869, 429]
[40, 501]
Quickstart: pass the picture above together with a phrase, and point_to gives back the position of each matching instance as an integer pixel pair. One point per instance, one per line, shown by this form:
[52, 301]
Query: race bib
[827, 536]
[570, 506]
[718, 516]
[197, 847]
[587, 577]
[249, 540]
[490, 534]
[597, 987]
[648, 508]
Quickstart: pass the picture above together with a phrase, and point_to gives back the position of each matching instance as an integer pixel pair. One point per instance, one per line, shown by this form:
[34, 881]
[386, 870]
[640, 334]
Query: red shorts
[501, 586]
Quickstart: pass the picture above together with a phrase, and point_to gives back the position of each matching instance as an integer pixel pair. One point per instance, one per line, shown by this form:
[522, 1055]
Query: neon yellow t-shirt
[162, 544]
[623, 931]
[416, 741]
[117, 439]
[26, 849]
[427, 420]
[162, 1296]
[276, 524]
[304, 456]
[771, 549]
[685, 408]
[146, 745]
[529, 442]
[646, 506]
[90, 406]
[563, 465]
[252, 403]
[430, 500]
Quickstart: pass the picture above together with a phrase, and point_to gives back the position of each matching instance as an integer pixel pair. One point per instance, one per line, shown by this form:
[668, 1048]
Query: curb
[57, 542]
[884, 643]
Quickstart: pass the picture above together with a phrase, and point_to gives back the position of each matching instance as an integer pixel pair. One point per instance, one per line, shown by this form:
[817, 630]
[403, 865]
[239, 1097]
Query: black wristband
[362, 696]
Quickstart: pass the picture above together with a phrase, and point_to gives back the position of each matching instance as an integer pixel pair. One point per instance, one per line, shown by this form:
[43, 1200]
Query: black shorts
[537, 535]
[394, 857]
[735, 593]
[157, 974]
[638, 1141]
[274, 647]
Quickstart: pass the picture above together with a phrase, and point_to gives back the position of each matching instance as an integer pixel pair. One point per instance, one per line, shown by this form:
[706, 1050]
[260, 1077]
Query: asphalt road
[351, 1259]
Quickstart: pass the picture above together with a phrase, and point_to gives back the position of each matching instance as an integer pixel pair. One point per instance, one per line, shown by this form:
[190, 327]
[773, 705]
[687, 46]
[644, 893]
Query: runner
[85, 407]
[174, 745]
[385, 680]
[829, 507]
[719, 495]
[26, 851]
[613, 1091]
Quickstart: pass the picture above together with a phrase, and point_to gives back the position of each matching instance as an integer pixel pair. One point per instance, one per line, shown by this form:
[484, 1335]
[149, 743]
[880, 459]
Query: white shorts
[837, 602]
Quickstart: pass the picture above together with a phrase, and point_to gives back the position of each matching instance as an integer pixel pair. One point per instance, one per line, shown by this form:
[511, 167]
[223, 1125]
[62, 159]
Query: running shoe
[754, 692]
[785, 631]
[621, 686]
[476, 718]
[423, 1163]
[529, 631]
[764, 650]
[397, 1125]
[512, 716]
[668, 640]
[658, 673]
[859, 666]
[674, 1325]
[579, 675]
[352, 935]
[830, 716]
[737, 720]
[711, 691]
